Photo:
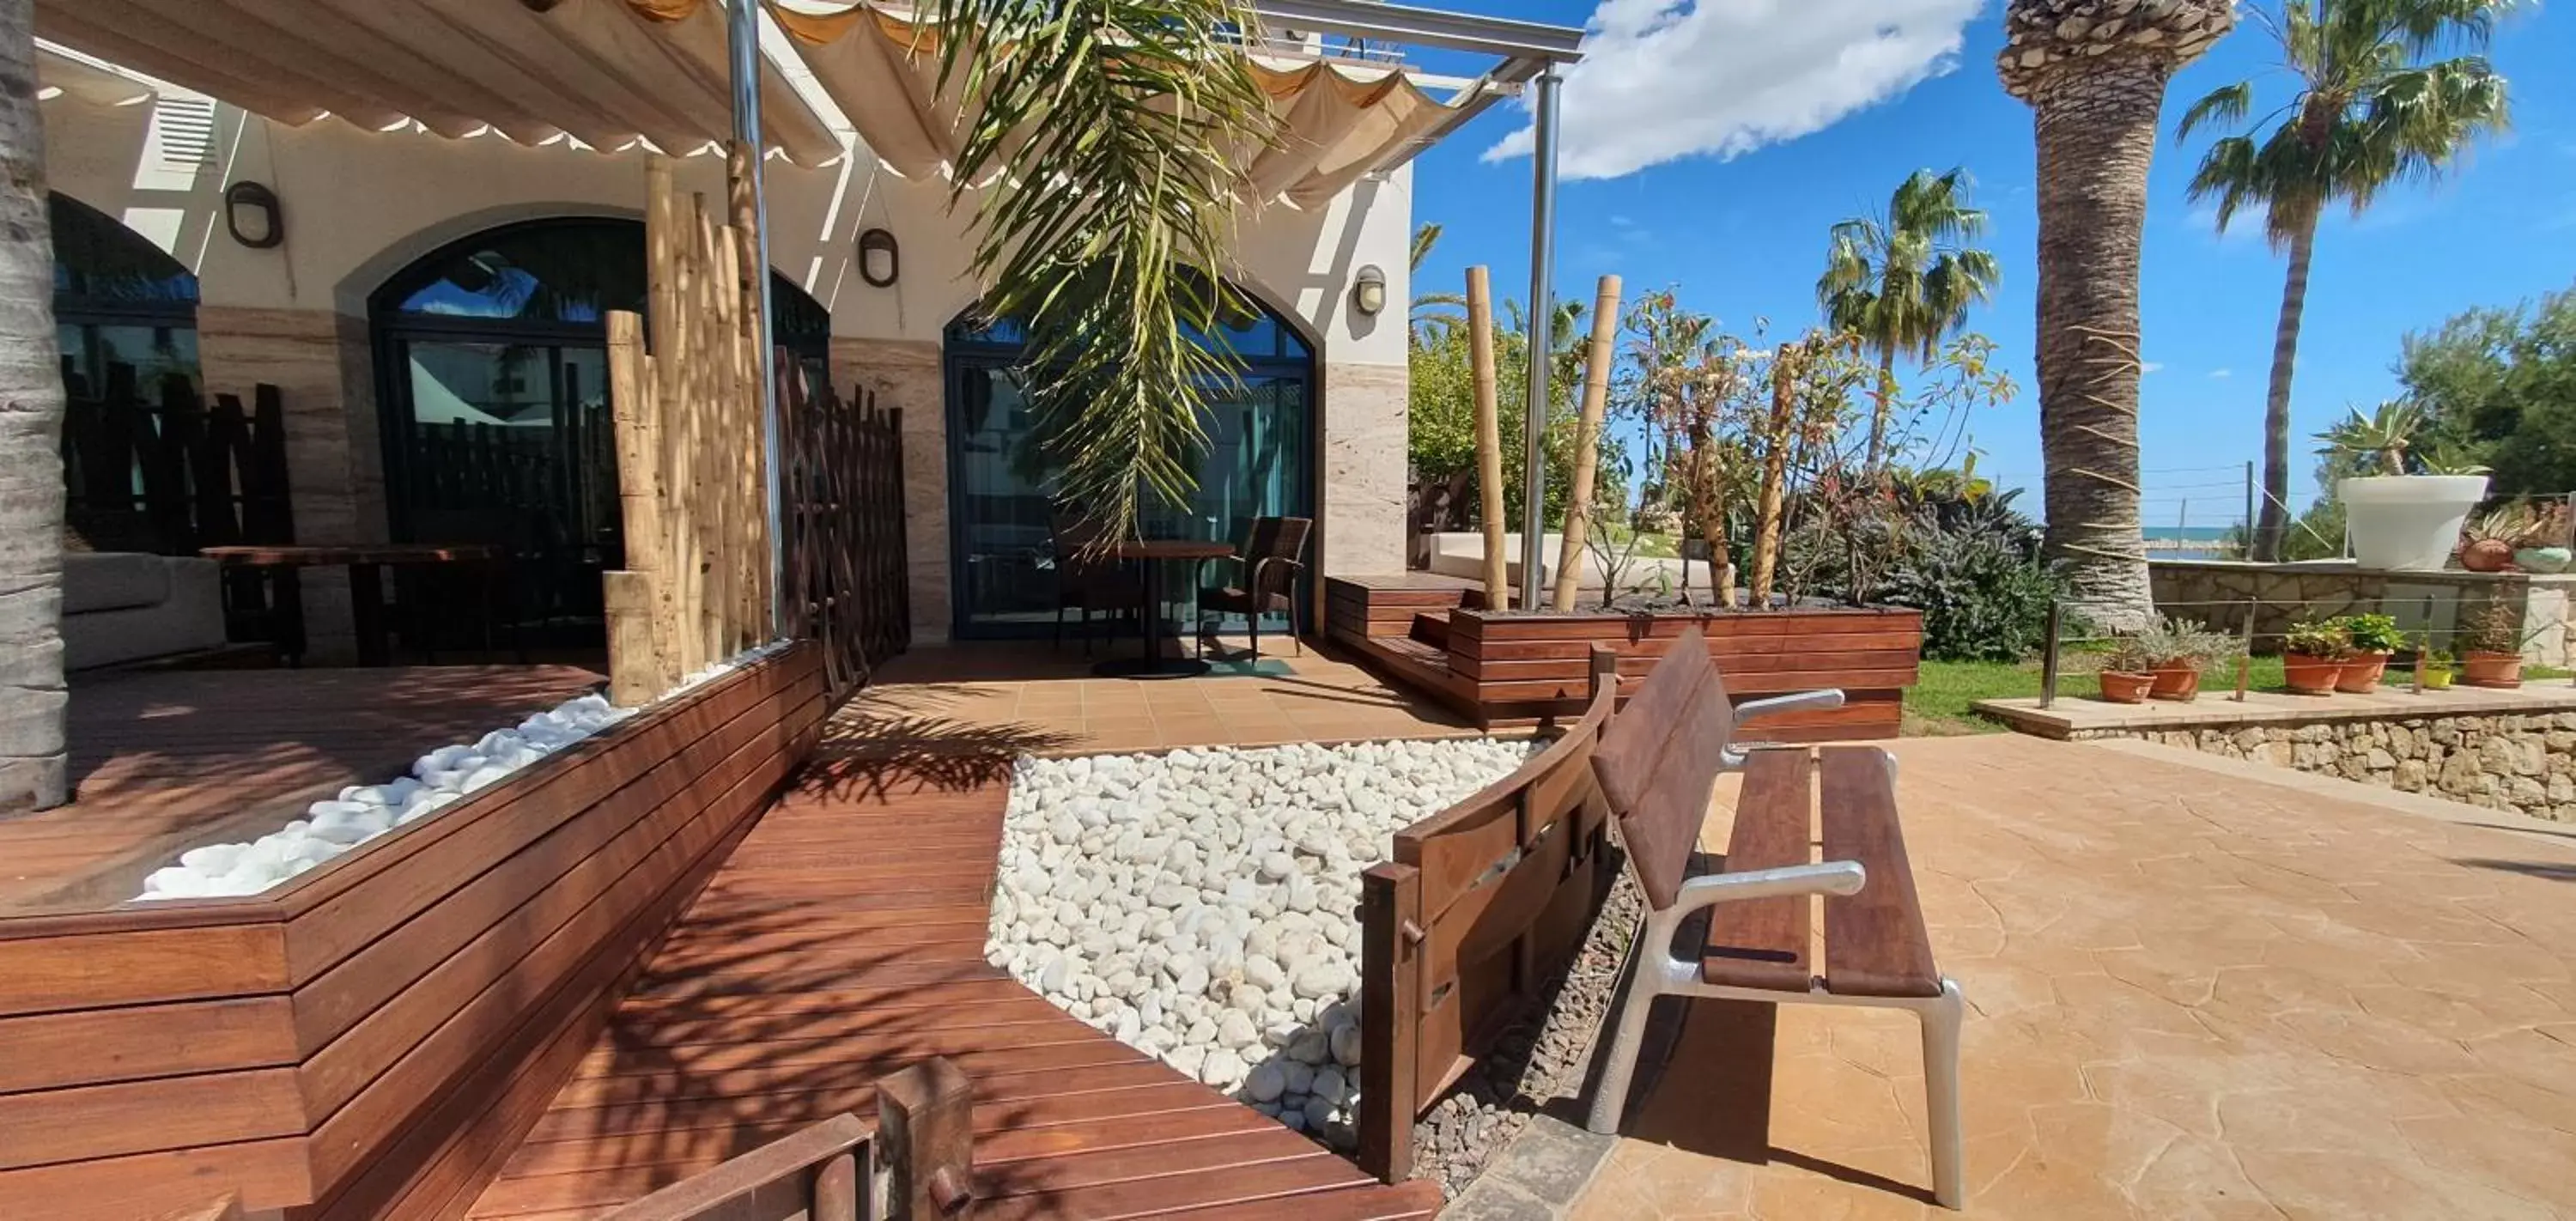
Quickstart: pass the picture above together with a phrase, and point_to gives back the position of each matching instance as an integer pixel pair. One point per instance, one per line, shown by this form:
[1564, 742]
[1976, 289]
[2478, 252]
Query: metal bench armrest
[1752, 710]
[1731, 759]
[1708, 890]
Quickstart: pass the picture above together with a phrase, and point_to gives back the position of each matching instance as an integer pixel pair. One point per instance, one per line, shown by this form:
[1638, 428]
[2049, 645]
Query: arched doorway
[1260, 462]
[492, 392]
[118, 300]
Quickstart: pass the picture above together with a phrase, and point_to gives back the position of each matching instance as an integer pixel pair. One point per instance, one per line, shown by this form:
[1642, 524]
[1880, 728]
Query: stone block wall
[2524, 763]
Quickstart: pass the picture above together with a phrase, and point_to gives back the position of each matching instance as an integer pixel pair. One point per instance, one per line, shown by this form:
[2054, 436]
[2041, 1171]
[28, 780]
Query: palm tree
[1904, 281]
[33, 771]
[1434, 314]
[2369, 111]
[1101, 163]
[2094, 73]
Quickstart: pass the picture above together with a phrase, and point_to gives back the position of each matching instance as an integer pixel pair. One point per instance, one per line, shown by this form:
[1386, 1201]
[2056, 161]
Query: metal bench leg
[1636, 1001]
[1941, 1020]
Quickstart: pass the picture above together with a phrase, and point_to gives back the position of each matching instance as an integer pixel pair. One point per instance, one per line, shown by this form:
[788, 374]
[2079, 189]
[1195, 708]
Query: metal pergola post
[1541, 323]
[742, 29]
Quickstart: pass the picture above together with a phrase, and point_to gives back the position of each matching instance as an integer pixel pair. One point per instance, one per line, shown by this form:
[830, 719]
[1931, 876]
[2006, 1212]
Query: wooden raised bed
[352, 1044]
[1503, 669]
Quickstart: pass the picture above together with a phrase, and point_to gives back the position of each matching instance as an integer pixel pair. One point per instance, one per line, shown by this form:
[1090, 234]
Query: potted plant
[2372, 640]
[2433, 667]
[2127, 672]
[2405, 506]
[2487, 543]
[2176, 649]
[2312, 657]
[2491, 646]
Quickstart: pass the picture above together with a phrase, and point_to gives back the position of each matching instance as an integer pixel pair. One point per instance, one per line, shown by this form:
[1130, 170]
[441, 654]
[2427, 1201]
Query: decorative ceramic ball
[2544, 559]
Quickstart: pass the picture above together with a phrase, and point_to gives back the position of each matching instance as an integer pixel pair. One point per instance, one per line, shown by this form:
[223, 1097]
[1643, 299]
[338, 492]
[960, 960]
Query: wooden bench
[1658, 763]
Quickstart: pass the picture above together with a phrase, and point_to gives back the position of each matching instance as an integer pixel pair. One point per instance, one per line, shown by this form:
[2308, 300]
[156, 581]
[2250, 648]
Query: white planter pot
[2408, 523]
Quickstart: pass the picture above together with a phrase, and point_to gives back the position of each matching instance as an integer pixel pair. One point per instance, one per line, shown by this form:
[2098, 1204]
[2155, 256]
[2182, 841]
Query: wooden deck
[163, 761]
[842, 941]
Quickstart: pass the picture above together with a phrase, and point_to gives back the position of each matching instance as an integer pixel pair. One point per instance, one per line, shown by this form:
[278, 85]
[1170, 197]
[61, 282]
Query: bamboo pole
[666, 276]
[1587, 443]
[1489, 435]
[637, 668]
[759, 622]
[713, 287]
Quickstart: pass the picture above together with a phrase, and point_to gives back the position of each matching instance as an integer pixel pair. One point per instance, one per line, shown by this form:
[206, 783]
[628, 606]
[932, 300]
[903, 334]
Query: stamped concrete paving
[2193, 993]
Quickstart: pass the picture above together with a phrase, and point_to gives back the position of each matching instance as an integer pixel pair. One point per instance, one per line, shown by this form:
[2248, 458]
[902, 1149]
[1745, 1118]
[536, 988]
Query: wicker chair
[1089, 582]
[1272, 560]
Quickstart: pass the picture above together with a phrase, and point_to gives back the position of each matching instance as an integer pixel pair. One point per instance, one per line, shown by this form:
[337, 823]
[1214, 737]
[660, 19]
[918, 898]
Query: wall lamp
[252, 216]
[880, 260]
[1368, 296]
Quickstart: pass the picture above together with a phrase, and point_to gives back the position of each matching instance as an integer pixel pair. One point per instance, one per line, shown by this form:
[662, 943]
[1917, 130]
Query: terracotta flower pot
[2120, 688]
[2307, 675]
[2479, 669]
[2359, 674]
[2176, 682]
[2487, 555]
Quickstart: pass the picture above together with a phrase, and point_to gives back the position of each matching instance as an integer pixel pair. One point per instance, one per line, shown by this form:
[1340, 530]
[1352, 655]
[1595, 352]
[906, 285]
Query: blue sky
[1780, 91]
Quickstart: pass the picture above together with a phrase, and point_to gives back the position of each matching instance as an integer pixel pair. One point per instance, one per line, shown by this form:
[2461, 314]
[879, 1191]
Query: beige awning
[603, 71]
[81, 77]
[1336, 122]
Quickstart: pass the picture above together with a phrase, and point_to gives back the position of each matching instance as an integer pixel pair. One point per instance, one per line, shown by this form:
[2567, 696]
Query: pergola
[681, 75]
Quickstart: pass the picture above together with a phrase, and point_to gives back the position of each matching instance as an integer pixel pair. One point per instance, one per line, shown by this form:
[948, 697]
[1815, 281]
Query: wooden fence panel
[1482, 903]
[168, 474]
[848, 583]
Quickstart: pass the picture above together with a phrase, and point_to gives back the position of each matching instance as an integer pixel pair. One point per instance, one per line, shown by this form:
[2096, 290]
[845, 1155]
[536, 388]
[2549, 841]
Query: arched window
[118, 300]
[492, 370]
[1259, 463]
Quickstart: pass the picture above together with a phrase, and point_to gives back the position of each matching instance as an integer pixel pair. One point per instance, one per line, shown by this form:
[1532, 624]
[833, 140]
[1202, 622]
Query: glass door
[509, 443]
[1002, 559]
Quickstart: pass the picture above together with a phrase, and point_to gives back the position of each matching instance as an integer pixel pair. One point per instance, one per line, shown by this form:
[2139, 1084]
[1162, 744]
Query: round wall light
[252, 215]
[1368, 296]
[880, 260]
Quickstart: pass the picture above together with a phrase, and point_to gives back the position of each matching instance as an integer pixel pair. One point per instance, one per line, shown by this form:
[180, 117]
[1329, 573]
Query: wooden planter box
[1522, 666]
[359, 1041]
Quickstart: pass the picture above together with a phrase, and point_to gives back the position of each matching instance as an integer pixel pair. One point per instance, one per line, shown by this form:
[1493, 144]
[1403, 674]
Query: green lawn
[1650, 546]
[1941, 700]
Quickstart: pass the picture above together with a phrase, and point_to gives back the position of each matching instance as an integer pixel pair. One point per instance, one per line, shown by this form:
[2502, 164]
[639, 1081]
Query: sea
[2189, 542]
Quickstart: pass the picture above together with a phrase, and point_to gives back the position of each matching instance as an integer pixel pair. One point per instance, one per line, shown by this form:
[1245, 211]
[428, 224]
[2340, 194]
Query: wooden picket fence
[1461, 932]
[847, 582]
[170, 474]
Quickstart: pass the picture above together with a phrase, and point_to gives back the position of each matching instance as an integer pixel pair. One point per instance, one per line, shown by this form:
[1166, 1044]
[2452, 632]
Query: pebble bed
[439, 779]
[1203, 905]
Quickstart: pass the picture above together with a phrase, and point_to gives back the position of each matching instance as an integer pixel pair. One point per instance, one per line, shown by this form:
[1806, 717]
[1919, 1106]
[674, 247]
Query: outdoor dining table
[1154, 553]
[366, 563]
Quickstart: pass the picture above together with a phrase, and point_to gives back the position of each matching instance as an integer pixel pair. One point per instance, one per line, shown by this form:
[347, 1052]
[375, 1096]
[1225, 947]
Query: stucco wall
[360, 205]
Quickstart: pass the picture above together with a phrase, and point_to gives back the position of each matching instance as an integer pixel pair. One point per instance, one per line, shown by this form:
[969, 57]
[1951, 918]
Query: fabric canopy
[1334, 123]
[603, 71]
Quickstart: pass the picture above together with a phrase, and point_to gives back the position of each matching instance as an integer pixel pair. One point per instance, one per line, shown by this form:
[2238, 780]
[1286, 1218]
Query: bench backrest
[1658, 763]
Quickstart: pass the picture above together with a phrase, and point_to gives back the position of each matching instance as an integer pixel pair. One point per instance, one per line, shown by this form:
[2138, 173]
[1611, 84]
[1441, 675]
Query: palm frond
[1097, 155]
[2227, 104]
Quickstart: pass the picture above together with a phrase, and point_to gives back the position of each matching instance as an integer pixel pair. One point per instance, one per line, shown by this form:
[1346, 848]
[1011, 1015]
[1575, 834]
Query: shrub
[2327, 640]
[2370, 633]
[1982, 596]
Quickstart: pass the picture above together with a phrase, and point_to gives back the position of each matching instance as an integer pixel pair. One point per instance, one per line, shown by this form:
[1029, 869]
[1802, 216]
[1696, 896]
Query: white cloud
[2221, 374]
[1662, 80]
[2149, 366]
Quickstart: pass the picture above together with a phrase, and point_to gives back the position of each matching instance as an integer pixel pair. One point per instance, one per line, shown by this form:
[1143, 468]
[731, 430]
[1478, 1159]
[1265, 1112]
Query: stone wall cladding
[2523, 763]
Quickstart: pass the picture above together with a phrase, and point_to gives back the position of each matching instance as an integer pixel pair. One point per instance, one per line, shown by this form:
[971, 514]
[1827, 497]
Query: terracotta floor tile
[2192, 995]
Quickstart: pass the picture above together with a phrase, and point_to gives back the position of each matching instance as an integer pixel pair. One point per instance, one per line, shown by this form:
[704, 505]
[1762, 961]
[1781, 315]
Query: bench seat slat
[1875, 943]
[1764, 943]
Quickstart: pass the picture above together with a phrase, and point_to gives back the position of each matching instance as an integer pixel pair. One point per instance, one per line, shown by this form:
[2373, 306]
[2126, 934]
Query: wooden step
[1431, 627]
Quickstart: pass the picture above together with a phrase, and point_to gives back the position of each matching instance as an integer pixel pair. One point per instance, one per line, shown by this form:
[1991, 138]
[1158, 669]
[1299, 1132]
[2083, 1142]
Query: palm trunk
[2097, 136]
[1886, 403]
[2272, 524]
[33, 770]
